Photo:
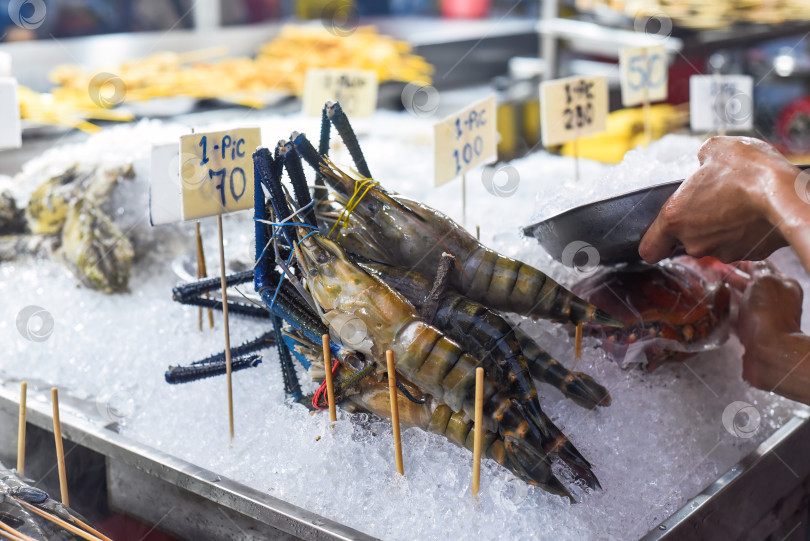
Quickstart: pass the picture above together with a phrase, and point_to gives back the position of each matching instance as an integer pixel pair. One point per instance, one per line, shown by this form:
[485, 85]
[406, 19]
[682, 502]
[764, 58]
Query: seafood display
[64, 217]
[343, 471]
[19, 503]
[386, 227]
[671, 310]
[369, 301]
[490, 336]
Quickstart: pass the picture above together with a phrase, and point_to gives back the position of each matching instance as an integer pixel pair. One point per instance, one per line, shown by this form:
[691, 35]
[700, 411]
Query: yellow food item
[625, 131]
[61, 110]
[287, 58]
[280, 66]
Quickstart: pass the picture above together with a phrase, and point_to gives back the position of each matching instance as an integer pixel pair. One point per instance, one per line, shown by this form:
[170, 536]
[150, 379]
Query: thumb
[657, 244]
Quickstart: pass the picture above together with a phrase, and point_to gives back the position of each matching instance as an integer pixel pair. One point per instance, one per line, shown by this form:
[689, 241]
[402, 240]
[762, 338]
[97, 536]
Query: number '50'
[641, 76]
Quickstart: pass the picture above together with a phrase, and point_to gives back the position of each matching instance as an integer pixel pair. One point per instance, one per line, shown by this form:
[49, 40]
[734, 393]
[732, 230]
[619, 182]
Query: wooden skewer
[11, 533]
[330, 382]
[578, 342]
[478, 232]
[199, 275]
[479, 430]
[392, 388]
[13, 537]
[21, 429]
[646, 105]
[91, 530]
[56, 520]
[60, 452]
[202, 272]
[464, 200]
[224, 286]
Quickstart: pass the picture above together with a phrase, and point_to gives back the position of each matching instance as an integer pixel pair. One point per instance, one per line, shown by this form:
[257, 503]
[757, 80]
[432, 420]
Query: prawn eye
[321, 256]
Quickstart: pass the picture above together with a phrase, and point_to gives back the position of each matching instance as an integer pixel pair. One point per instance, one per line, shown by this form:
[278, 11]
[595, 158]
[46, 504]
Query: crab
[671, 310]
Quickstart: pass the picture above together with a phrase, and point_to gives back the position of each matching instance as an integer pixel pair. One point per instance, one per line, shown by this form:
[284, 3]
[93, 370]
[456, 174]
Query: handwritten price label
[216, 171]
[644, 74]
[464, 140]
[572, 107]
[10, 128]
[721, 102]
[356, 90]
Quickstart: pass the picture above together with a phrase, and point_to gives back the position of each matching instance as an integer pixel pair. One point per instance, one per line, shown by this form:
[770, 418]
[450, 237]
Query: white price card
[721, 102]
[5, 64]
[216, 171]
[10, 128]
[464, 140]
[165, 194]
[572, 107]
[356, 90]
[644, 74]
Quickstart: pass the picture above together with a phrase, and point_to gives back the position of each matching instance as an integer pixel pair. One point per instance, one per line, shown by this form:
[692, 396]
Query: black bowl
[613, 226]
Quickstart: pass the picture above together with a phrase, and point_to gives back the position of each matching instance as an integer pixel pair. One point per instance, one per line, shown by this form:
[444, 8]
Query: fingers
[772, 304]
[732, 147]
[738, 278]
[709, 147]
[788, 376]
[657, 244]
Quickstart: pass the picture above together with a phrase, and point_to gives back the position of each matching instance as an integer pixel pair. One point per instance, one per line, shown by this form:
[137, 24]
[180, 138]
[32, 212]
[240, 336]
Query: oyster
[95, 249]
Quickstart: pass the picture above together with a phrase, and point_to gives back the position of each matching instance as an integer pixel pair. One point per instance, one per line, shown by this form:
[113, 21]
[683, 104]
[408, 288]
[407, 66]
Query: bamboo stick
[56, 520]
[392, 388]
[21, 429]
[11, 533]
[330, 383]
[479, 430]
[228, 363]
[60, 451]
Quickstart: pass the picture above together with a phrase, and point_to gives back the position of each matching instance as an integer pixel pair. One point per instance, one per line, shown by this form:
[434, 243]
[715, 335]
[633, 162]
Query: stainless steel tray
[756, 497]
[186, 500]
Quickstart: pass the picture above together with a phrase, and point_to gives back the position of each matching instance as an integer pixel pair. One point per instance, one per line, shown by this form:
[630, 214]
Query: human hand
[723, 209]
[769, 326]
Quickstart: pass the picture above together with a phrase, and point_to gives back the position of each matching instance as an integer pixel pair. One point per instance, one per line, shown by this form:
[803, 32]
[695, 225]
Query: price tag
[572, 107]
[5, 64]
[644, 74]
[216, 170]
[464, 140]
[165, 194]
[10, 128]
[721, 102]
[356, 90]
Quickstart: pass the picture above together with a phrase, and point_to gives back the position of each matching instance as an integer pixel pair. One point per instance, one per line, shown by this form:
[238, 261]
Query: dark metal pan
[613, 226]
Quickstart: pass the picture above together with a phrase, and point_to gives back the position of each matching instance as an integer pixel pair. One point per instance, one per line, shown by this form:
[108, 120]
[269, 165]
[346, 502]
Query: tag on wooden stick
[721, 102]
[644, 74]
[10, 126]
[216, 171]
[356, 90]
[465, 140]
[165, 193]
[572, 107]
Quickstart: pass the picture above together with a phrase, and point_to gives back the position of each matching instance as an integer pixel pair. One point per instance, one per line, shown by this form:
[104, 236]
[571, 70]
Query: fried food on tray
[280, 67]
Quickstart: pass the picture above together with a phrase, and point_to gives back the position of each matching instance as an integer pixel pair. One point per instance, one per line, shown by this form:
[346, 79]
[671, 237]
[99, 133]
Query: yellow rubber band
[361, 188]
